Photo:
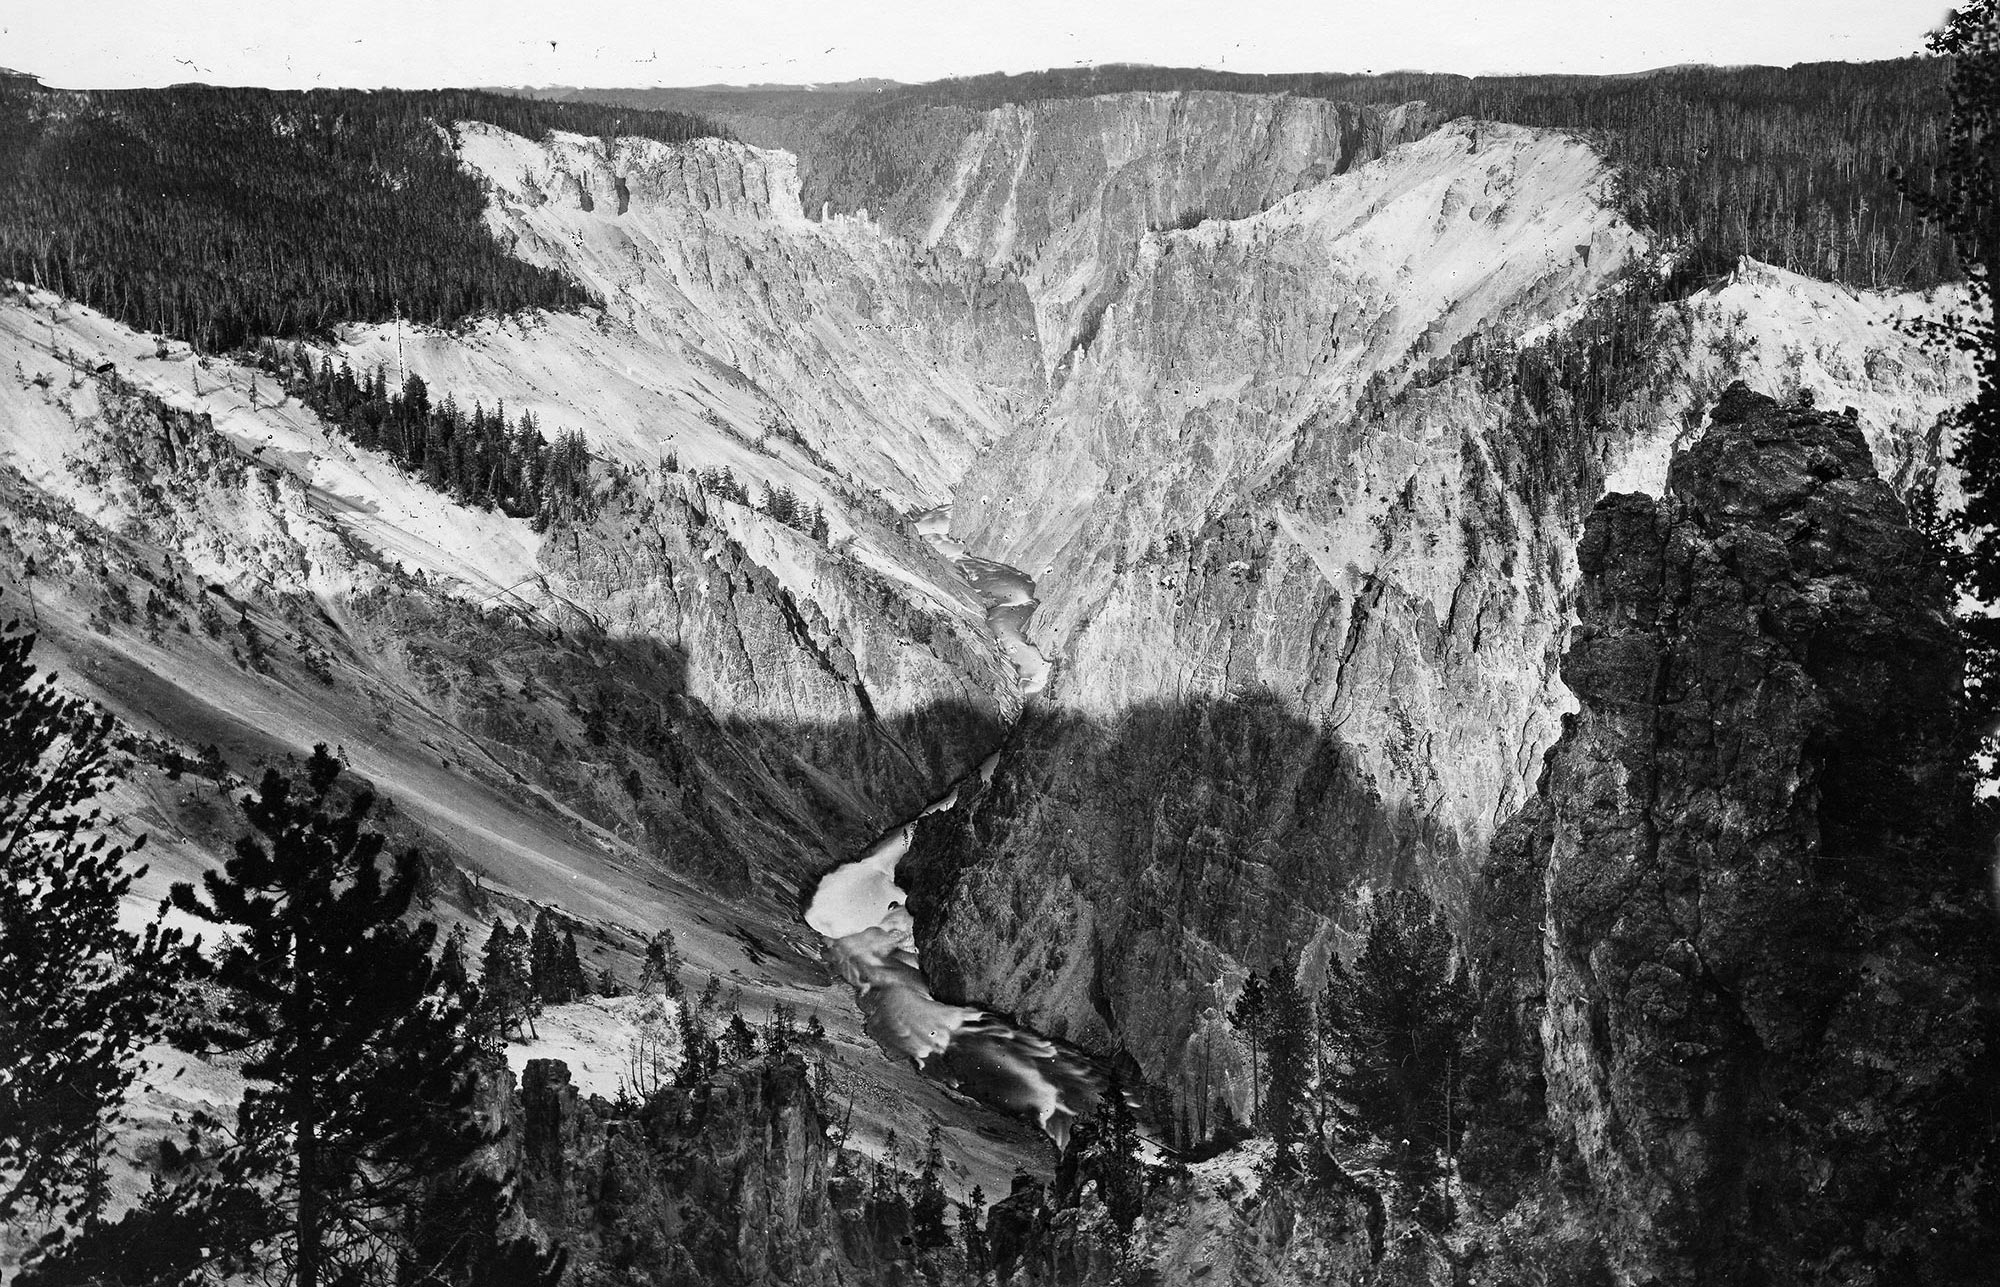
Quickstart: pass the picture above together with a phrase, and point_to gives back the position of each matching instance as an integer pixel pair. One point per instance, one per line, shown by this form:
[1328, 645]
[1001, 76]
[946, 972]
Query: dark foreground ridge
[1763, 967]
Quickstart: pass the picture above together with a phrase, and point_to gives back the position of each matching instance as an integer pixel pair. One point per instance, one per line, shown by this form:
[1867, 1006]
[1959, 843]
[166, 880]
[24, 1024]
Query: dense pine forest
[218, 215]
[478, 457]
[1795, 166]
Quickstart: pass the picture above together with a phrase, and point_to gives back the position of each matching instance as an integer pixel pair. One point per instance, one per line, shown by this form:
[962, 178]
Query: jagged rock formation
[1329, 462]
[1063, 192]
[726, 1182]
[1743, 925]
[831, 356]
[735, 1181]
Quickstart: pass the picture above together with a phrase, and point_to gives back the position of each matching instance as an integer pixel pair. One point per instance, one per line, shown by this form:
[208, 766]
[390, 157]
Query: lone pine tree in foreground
[79, 997]
[359, 1055]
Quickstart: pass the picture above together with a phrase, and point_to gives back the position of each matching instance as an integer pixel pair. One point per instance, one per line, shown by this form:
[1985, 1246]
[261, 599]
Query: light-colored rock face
[1218, 511]
[1300, 487]
[735, 332]
[1062, 192]
[1321, 472]
[671, 716]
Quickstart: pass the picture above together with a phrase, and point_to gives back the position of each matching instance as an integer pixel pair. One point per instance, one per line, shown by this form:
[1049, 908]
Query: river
[871, 938]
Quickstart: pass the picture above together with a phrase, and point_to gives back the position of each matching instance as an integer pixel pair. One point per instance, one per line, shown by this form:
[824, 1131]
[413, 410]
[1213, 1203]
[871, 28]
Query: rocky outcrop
[728, 1182]
[1105, 883]
[1744, 923]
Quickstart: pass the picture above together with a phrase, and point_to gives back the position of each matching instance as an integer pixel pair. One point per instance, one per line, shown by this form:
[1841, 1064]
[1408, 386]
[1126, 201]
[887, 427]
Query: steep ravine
[863, 913]
[1304, 513]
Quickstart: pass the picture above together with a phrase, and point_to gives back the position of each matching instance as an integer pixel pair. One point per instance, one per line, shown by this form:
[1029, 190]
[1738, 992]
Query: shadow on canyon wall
[1117, 875]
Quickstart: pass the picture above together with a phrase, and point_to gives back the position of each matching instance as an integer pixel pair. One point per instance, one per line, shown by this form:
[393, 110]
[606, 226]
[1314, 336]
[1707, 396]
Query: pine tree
[505, 995]
[520, 948]
[927, 1206]
[699, 1053]
[361, 1062]
[575, 982]
[545, 964]
[1397, 1021]
[970, 1215]
[662, 971]
[79, 997]
[658, 1050]
[1113, 1159]
[739, 1040]
[782, 1032]
[1247, 1017]
[1965, 202]
[451, 960]
[1289, 1038]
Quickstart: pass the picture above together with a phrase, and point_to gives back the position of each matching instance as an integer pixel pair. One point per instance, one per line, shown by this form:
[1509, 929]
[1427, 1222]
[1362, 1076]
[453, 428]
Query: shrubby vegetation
[1794, 166]
[220, 215]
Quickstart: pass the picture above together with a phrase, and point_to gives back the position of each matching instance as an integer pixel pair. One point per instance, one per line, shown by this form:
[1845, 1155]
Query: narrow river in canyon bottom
[863, 915]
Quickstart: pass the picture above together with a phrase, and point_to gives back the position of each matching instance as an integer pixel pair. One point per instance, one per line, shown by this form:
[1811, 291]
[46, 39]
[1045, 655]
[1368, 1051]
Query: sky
[414, 43]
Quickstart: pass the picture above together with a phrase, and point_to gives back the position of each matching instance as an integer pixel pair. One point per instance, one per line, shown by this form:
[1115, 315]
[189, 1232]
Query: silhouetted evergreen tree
[700, 1053]
[928, 1203]
[739, 1040]
[1114, 1160]
[547, 972]
[971, 1214]
[451, 960]
[79, 997]
[360, 1059]
[661, 972]
[1397, 1021]
[1963, 202]
[1247, 1016]
[1289, 1036]
[575, 981]
[506, 991]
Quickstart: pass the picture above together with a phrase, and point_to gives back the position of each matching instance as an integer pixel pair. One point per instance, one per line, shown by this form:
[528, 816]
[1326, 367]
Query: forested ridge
[218, 215]
[1794, 166]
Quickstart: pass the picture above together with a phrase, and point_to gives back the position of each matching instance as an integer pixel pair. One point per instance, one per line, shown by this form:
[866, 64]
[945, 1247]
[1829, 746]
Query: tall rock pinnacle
[1766, 1004]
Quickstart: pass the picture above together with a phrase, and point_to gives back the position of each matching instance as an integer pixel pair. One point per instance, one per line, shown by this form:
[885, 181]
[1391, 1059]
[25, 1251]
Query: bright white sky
[282, 43]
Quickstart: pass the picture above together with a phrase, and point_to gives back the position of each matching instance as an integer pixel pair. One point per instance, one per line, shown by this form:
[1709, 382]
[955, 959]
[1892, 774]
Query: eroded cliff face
[1324, 468]
[832, 357]
[1303, 543]
[1746, 911]
[1062, 192]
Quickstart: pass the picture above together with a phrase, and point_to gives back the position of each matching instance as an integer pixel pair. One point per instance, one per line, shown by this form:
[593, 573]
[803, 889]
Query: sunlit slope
[633, 720]
[1303, 519]
[1063, 191]
[735, 331]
